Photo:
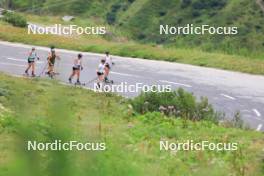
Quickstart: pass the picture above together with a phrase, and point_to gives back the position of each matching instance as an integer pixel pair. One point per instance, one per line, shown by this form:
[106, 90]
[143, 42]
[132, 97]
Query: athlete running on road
[108, 66]
[51, 61]
[106, 73]
[100, 73]
[76, 69]
[31, 61]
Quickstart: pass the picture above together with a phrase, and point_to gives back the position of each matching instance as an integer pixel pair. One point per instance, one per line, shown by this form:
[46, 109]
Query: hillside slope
[140, 20]
[44, 111]
[246, 15]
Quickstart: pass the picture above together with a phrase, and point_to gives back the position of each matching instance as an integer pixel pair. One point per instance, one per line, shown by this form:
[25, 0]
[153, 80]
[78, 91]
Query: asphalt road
[228, 91]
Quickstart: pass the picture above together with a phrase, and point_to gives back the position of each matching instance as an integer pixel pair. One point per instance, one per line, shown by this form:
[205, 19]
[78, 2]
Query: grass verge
[131, 49]
[43, 110]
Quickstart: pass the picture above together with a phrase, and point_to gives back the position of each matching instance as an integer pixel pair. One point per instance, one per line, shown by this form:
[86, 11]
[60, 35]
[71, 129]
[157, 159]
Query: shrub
[15, 19]
[199, 5]
[3, 92]
[4, 12]
[141, 36]
[8, 123]
[115, 7]
[196, 13]
[185, 3]
[111, 18]
[177, 104]
[208, 4]
[162, 13]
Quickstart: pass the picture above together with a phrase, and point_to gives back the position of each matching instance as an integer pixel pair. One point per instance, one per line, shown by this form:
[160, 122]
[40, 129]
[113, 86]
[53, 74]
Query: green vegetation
[15, 19]
[176, 104]
[44, 110]
[140, 20]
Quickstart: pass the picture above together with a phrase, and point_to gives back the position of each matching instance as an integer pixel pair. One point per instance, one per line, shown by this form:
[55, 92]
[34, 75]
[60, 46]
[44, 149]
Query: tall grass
[44, 110]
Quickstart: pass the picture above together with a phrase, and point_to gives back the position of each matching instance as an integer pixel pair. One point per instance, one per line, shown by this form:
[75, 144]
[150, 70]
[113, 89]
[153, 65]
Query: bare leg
[106, 74]
[51, 72]
[72, 75]
[99, 81]
[78, 75]
[29, 65]
[33, 69]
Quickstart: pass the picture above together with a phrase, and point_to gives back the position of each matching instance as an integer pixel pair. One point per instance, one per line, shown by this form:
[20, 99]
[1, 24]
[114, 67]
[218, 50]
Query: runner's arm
[38, 57]
[81, 65]
[112, 61]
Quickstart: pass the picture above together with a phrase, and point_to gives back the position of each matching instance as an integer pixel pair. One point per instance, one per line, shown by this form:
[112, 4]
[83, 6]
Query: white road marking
[22, 60]
[259, 119]
[259, 127]
[227, 96]
[13, 59]
[175, 83]
[17, 65]
[257, 112]
[124, 74]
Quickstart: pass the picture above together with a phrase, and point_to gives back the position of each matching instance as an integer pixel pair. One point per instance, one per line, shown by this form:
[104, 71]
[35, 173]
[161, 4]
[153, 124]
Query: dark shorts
[99, 73]
[30, 61]
[76, 68]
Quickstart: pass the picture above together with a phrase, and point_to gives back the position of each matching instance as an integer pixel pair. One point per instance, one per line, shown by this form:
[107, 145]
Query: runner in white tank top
[108, 65]
[76, 69]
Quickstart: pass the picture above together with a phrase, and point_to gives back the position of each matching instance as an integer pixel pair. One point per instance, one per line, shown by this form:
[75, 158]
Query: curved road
[228, 91]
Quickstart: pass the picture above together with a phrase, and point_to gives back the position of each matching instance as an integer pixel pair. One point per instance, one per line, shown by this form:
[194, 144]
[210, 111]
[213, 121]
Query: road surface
[228, 91]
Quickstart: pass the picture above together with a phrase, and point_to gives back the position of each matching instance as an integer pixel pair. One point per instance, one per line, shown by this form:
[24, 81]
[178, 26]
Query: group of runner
[102, 71]
[50, 62]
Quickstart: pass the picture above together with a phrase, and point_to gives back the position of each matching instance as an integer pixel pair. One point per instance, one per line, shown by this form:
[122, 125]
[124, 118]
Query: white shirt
[108, 61]
[77, 63]
[101, 68]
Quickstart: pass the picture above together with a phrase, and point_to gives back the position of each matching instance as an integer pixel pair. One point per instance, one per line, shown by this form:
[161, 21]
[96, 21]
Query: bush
[3, 92]
[111, 18]
[162, 13]
[4, 12]
[177, 103]
[196, 13]
[199, 5]
[208, 4]
[15, 19]
[115, 7]
[8, 123]
[185, 3]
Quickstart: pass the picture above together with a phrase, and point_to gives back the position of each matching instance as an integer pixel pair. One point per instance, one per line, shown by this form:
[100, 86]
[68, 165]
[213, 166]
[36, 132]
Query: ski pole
[57, 67]
[44, 68]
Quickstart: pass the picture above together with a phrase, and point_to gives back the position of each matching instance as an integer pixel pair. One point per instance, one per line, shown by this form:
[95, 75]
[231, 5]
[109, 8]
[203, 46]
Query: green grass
[43, 110]
[133, 49]
[140, 20]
